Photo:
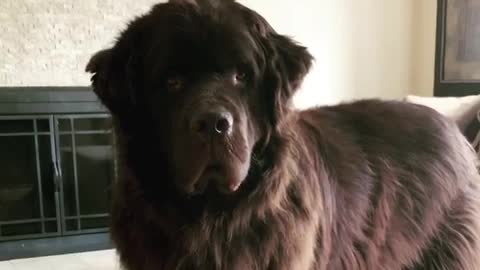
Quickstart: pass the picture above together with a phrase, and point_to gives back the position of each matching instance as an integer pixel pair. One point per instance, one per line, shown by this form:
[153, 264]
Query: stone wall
[49, 42]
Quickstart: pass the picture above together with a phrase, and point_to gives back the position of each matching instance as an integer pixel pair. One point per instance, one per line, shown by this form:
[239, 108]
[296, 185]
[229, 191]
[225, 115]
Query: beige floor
[97, 260]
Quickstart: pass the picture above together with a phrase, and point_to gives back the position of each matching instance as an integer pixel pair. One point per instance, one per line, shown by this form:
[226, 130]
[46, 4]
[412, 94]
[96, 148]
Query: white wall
[322, 26]
[363, 49]
[425, 15]
[367, 48]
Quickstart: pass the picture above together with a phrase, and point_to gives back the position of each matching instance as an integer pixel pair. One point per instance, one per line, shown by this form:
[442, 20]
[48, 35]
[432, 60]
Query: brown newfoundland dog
[217, 171]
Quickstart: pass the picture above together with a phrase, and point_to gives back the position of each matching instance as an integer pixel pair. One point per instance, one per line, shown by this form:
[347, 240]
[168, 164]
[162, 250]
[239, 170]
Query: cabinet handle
[56, 176]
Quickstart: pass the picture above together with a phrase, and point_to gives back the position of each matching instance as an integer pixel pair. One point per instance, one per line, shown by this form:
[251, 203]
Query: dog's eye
[239, 76]
[175, 83]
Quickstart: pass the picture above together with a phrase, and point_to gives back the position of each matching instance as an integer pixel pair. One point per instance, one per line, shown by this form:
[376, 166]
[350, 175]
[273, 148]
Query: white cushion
[461, 109]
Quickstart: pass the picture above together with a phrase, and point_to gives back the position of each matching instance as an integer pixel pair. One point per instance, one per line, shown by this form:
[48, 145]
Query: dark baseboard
[54, 246]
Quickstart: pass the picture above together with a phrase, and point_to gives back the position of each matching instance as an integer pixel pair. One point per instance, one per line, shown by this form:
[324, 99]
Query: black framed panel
[49, 100]
[457, 59]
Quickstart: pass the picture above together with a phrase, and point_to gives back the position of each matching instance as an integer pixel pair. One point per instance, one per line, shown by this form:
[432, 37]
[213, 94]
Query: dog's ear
[99, 66]
[112, 78]
[98, 60]
[287, 65]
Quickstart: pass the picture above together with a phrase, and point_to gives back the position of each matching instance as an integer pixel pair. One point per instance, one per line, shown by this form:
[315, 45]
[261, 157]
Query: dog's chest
[262, 246]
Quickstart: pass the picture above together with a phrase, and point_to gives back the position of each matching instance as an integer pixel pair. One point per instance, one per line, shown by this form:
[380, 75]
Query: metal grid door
[29, 195]
[85, 156]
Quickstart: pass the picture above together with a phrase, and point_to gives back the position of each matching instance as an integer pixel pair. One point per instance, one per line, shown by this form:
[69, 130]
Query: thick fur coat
[217, 171]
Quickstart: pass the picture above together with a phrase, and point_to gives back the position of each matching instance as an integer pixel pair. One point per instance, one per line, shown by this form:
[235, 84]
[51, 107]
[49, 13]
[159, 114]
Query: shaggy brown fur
[367, 185]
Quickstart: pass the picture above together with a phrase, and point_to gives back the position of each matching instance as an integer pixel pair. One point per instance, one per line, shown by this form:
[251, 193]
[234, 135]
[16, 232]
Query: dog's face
[206, 82]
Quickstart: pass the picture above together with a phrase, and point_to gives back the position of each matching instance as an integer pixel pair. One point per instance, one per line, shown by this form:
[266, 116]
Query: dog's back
[405, 187]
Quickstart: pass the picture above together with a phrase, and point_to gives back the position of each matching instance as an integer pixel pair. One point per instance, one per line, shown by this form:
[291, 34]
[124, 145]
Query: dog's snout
[213, 122]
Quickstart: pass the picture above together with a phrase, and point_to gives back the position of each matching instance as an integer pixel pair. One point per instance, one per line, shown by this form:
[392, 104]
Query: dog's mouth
[216, 177]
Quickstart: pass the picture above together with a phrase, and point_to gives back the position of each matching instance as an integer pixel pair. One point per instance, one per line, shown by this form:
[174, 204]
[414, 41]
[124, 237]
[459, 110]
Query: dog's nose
[217, 122]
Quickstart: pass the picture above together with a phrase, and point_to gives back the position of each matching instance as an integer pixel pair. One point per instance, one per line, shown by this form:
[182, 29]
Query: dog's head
[200, 85]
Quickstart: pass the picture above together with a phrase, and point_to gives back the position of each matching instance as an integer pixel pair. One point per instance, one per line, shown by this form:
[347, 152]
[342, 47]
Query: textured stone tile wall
[48, 42]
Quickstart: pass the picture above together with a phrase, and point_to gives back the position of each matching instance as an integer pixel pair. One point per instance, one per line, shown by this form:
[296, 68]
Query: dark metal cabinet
[56, 173]
[56, 164]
